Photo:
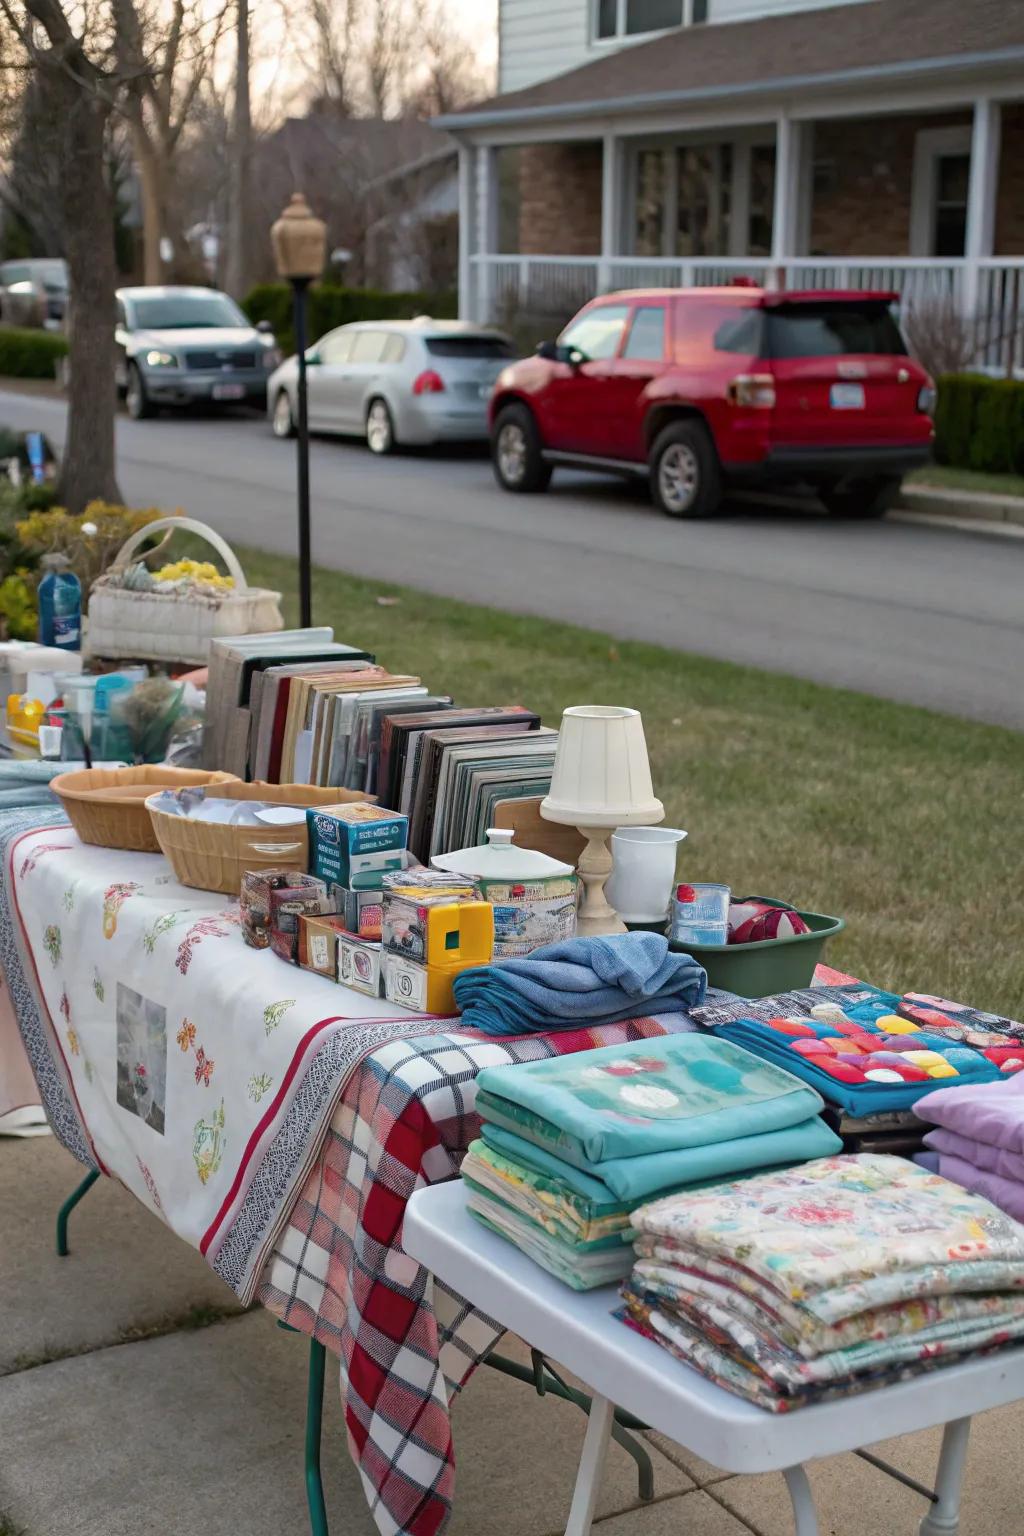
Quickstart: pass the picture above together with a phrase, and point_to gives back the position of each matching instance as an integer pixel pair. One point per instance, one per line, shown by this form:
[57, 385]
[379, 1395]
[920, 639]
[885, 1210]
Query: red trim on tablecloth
[35, 832]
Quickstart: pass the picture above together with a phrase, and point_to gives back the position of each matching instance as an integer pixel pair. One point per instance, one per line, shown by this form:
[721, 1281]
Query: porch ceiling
[887, 41]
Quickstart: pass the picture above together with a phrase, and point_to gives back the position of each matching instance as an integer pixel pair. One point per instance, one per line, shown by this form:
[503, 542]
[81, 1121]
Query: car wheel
[282, 421]
[380, 429]
[685, 477]
[135, 397]
[516, 452]
[861, 499]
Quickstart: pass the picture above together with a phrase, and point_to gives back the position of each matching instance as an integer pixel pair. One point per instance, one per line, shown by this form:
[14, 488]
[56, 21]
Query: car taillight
[428, 383]
[753, 389]
[926, 398]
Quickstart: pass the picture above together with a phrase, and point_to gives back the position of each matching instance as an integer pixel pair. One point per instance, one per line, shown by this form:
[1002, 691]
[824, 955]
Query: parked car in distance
[398, 383]
[706, 388]
[183, 346]
[34, 292]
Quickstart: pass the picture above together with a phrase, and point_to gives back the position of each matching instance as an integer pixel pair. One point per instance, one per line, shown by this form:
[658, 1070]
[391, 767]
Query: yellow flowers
[204, 572]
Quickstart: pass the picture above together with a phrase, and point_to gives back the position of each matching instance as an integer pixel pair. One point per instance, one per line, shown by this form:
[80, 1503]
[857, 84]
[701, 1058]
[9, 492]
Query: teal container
[60, 605]
[773, 965]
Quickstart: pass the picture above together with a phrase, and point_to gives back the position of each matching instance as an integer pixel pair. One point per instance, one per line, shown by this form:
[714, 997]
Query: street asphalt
[921, 614]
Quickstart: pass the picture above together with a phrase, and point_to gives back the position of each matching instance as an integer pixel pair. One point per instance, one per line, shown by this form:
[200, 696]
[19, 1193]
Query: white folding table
[624, 1370]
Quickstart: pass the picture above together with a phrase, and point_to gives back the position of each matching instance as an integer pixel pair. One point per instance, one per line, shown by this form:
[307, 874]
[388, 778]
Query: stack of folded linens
[979, 1139]
[569, 1147]
[793, 1287]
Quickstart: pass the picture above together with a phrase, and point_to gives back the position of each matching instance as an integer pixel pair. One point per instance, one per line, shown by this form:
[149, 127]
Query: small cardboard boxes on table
[349, 841]
[258, 888]
[431, 931]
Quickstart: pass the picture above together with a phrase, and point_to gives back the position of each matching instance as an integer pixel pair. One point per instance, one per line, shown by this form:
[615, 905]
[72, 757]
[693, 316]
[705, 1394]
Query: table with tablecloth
[275, 1121]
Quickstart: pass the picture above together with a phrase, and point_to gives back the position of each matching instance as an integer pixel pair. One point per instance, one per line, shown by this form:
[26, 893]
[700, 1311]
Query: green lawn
[904, 822]
[947, 479]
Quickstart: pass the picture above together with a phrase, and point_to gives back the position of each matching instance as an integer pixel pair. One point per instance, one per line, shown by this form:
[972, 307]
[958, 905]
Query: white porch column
[467, 222]
[786, 210]
[486, 228]
[981, 198]
[611, 209]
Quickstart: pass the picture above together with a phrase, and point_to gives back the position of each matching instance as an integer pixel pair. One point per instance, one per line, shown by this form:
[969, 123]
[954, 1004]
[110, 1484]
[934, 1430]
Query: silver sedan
[397, 383]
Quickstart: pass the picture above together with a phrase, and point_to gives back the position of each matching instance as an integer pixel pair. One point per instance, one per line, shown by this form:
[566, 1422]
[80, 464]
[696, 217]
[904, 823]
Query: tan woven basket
[107, 806]
[214, 857]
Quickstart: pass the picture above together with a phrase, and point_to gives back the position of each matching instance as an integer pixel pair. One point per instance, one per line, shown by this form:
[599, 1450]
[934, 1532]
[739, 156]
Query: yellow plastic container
[459, 934]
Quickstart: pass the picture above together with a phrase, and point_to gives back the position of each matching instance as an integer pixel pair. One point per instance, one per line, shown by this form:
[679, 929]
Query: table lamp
[601, 780]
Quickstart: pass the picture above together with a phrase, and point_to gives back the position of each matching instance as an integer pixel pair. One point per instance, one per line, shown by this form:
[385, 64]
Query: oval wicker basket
[107, 806]
[213, 857]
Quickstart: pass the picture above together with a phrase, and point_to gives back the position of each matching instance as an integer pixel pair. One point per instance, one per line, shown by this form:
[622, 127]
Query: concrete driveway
[921, 614]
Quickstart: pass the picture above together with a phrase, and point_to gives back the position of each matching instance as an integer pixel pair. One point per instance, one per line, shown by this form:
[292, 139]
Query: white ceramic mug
[640, 885]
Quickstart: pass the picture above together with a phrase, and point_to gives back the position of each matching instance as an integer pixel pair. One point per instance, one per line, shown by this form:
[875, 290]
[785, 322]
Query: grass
[904, 822]
[948, 479]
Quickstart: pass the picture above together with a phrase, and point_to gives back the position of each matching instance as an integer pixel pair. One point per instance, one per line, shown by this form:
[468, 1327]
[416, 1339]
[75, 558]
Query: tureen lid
[500, 859]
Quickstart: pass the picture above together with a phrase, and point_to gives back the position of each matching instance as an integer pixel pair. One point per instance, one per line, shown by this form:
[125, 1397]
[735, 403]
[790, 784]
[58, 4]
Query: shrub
[91, 542]
[979, 423]
[331, 306]
[30, 354]
[940, 337]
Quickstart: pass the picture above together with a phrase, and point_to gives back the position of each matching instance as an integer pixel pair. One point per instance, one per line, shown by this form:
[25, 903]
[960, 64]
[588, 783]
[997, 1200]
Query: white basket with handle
[175, 626]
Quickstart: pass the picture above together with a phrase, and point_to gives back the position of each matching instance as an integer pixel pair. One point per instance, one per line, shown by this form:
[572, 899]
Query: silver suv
[180, 346]
[398, 383]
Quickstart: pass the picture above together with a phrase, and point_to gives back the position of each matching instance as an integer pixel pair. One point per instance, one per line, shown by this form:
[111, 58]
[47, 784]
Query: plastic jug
[60, 605]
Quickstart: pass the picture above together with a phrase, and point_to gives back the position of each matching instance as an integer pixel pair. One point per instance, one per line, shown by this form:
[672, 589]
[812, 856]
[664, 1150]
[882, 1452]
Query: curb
[961, 506]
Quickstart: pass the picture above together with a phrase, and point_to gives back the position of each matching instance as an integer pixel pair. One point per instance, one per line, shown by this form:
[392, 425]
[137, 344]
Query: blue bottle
[60, 605]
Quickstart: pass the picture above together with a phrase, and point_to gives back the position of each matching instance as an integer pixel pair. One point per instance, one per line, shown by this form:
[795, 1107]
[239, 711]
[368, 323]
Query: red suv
[705, 388]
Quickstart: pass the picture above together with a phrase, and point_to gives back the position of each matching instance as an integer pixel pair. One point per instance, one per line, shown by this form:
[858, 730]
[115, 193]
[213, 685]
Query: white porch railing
[987, 292]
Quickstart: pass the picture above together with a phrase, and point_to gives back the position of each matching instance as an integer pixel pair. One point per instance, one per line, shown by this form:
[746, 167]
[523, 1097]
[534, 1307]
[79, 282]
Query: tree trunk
[239, 171]
[151, 186]
[88, 471]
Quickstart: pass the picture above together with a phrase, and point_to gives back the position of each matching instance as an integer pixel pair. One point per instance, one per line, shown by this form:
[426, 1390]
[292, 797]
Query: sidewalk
[962, 505]
[135, 1400]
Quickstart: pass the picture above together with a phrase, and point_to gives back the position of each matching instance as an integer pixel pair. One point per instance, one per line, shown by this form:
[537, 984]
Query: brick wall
[560, 199]
[866, 165]
[1010, 202]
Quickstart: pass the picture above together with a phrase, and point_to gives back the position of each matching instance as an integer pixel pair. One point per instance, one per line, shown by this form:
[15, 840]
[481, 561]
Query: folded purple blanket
[1007, 1194]
[1008, 1165]
[988, 1112]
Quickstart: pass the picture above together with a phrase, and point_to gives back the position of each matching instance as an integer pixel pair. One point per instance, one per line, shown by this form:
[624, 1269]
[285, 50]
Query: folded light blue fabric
[580, 981]
[639, 1178]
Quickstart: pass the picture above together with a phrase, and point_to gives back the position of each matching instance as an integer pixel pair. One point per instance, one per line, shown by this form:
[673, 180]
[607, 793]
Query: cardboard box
[359, 964]
[257, 885]
[424, 988]
[318, 945]
[290, 903]
[354, 839]
[450, 929]
[362, 911]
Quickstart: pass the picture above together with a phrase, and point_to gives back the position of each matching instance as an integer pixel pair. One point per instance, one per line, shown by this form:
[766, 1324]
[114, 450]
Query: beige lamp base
[595, 915]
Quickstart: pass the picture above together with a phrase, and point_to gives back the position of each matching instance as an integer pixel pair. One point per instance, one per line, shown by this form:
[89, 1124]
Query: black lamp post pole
[299, 287]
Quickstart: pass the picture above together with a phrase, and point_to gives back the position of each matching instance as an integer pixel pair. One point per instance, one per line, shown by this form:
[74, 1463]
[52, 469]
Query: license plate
[229, 391]
[847, 397]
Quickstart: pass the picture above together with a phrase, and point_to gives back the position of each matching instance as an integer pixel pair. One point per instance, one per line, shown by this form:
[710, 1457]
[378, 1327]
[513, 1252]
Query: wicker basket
[213, 857]
[108, 805]
[161, 626]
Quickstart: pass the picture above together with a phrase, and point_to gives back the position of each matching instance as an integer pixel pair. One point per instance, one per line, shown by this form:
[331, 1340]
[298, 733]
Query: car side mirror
[548, 350]
[573, 356]
[264, 327]
[312, 358]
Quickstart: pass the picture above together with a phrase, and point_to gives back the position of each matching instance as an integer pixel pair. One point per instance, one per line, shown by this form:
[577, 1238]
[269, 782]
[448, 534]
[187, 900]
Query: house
[413, 242]
[857, 143]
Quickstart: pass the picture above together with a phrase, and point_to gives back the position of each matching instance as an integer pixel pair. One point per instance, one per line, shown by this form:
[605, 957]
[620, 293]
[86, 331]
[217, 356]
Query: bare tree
[240, 164]
[446, 74]
[336, 28]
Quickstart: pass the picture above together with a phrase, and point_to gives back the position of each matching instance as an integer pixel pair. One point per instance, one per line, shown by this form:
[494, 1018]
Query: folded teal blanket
[636, 1179]
[581, 981]
[625, 1101]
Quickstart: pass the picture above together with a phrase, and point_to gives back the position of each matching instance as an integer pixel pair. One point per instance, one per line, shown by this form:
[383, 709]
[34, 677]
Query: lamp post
[299, 239]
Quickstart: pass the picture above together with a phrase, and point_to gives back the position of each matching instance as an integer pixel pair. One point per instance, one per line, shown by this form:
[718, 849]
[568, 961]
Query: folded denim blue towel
[580, 981]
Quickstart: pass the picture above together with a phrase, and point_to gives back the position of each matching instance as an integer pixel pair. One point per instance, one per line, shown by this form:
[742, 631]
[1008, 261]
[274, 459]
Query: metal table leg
[804, 1512]
[68, 1206]
[588, 1478]
[943, 1519]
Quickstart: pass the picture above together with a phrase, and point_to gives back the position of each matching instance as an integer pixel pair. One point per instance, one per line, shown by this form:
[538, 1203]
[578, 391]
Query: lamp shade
[299, 239]
[602, 776]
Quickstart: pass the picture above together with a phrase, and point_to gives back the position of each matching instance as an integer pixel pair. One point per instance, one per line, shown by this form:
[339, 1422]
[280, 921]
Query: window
[368, 346]
[336, 348]
[700, 12]
[470, 346]
[833, 330]
[952, 177]
[394, 348]
[597, 333]
[741, 332]
[650, 202]
[188, 311]
[702, 204]
[632, 18]
[646, 338]
[762, 199]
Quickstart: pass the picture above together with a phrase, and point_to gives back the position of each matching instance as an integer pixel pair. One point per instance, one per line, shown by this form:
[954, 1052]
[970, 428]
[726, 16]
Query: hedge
[979, 423]
[330, 306]
[28, 354]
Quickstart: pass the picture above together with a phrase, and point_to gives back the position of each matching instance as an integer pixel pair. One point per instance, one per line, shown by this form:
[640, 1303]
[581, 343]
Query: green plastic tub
[774, 965]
